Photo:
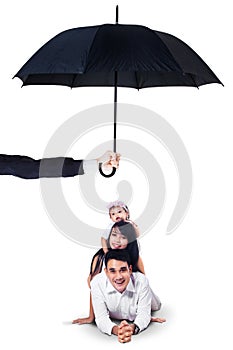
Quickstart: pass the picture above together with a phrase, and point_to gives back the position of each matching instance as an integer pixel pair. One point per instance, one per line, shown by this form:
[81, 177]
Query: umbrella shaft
[115, 112]
[115, 95]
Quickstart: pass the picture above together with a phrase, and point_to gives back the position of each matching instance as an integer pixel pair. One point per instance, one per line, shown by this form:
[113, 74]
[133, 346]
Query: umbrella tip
[117, 13]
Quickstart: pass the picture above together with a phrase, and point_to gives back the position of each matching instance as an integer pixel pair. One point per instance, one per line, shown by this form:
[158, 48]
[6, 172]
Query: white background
[43, 274]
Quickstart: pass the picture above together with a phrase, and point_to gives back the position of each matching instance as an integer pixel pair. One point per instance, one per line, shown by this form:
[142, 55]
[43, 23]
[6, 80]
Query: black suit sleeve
[29, 168]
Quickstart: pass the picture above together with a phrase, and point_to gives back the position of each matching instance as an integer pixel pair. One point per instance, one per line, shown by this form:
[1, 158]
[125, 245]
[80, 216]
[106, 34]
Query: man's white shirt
[90, 166]
[134, 304]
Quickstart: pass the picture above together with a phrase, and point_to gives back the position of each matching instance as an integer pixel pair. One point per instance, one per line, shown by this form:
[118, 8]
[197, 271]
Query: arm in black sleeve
[29, 168]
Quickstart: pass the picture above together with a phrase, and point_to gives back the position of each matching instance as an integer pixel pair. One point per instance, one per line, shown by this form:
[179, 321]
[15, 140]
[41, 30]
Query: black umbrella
[116, 55]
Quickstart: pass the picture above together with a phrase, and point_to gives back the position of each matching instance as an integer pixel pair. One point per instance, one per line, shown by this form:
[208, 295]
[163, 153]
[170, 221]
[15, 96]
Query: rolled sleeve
[143, 315]
[90, 166]
[102, 318]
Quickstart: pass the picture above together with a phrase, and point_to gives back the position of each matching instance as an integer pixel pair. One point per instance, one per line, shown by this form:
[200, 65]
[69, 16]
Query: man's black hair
[118, 254]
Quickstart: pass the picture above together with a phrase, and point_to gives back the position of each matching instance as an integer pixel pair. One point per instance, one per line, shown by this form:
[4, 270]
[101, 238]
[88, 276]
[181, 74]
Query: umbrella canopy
[116, 55]
[90, 56]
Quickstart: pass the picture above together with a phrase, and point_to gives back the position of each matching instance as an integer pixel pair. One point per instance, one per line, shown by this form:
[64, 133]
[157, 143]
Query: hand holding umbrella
[29, 168]
[109, 160]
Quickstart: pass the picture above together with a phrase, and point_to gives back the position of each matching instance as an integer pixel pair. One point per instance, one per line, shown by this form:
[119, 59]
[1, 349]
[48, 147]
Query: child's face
[117, 214]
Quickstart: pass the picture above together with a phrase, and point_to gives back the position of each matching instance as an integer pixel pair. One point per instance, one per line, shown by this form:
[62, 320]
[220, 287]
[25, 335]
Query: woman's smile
[116, 245]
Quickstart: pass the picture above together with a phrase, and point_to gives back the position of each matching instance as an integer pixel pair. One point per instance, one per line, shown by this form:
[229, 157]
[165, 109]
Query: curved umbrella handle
[106, 175]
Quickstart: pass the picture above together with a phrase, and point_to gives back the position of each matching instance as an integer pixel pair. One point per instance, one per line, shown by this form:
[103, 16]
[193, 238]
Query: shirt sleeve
[143, 314]
[102, 318]
[90, 166]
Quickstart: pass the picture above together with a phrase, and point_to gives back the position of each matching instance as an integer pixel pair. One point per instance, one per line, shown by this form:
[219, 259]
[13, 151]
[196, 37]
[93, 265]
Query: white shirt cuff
[90, 166]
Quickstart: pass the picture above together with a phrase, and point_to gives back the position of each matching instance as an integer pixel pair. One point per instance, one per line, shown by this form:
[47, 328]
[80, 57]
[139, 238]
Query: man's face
[118, 273]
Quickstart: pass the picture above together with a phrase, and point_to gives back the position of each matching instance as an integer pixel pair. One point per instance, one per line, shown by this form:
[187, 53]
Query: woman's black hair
[128, 231]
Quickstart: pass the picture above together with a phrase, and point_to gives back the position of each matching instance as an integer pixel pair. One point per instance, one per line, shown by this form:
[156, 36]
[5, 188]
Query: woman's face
[117, 240]
[117, 214]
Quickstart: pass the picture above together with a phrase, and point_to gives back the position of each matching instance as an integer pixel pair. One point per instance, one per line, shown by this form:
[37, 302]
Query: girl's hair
[128, 231]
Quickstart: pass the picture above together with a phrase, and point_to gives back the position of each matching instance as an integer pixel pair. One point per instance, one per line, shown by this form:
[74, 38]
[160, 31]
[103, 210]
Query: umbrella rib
[99, 27]
[158, 37]
[191, 76]
[73, 80]
[136, 78]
